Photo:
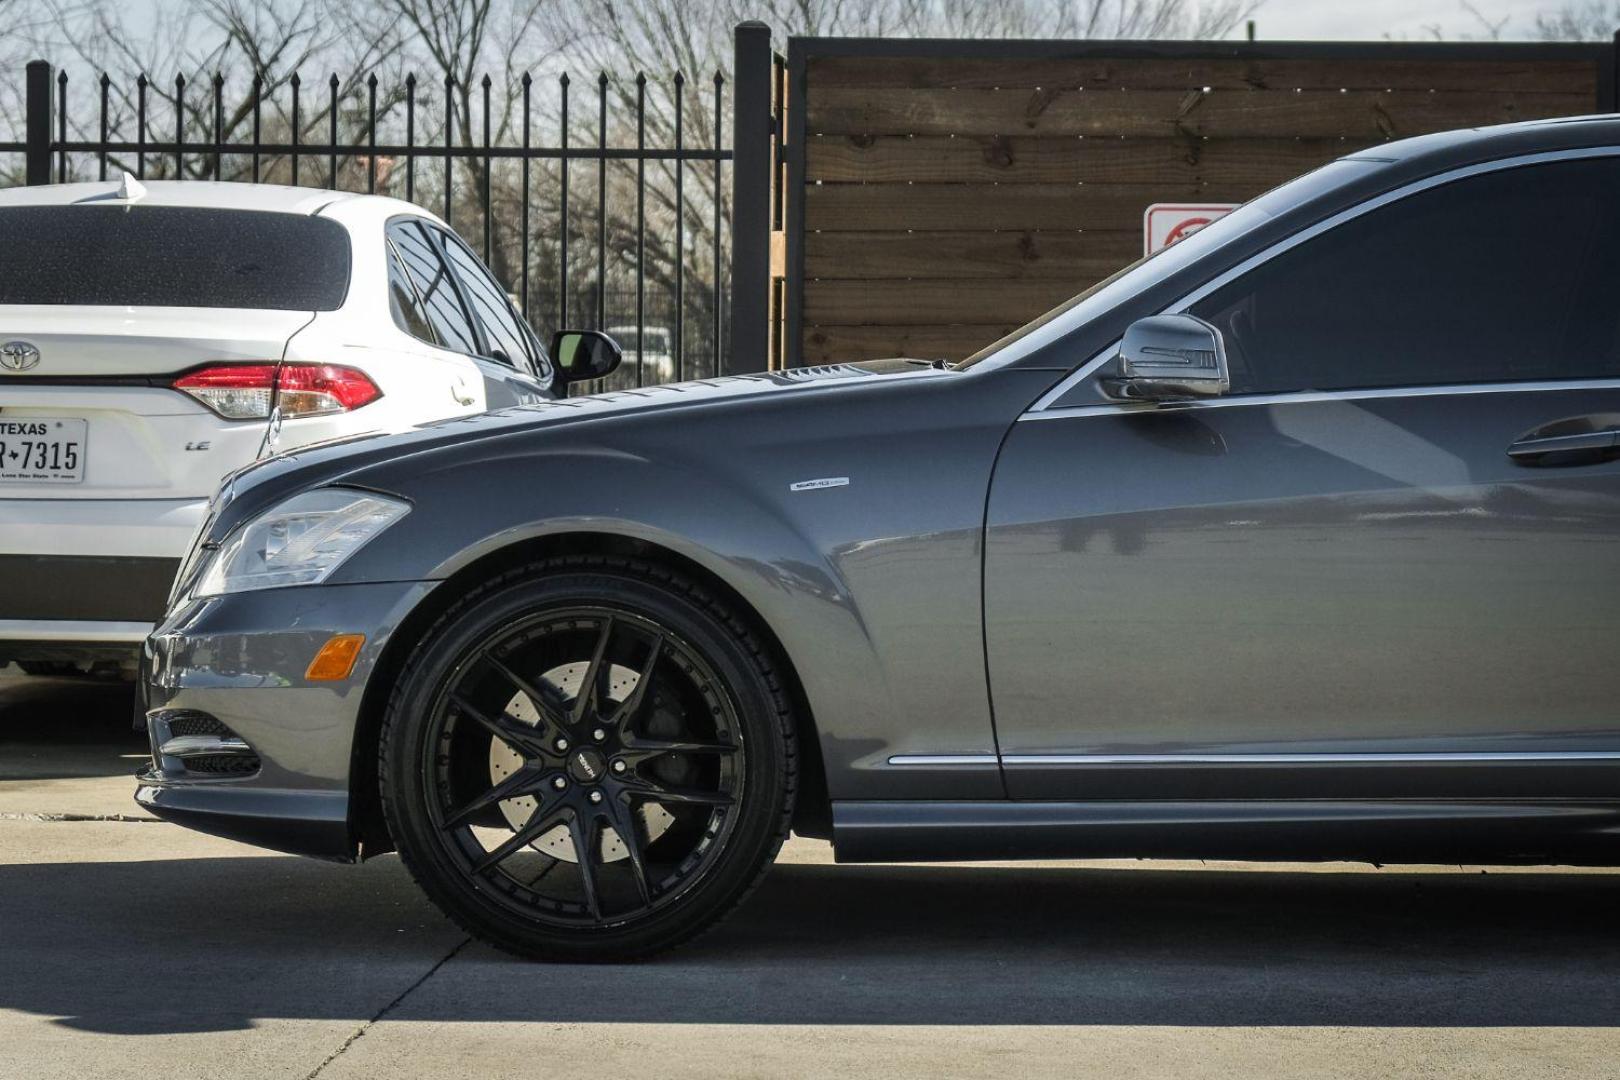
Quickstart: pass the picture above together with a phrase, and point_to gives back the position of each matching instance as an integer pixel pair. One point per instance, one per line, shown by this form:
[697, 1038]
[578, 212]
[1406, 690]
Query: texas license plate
[42, 449]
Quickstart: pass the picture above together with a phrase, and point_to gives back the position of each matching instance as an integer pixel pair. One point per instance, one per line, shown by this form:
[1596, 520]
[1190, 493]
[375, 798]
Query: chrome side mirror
[1170, 358]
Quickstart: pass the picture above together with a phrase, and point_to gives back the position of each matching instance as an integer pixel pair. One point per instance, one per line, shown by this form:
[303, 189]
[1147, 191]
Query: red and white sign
[1166, 223]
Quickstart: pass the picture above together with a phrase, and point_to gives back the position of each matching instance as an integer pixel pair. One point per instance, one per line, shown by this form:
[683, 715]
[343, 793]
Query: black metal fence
[615, 248]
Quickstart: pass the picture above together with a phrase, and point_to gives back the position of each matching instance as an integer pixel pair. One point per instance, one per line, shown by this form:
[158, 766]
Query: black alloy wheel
[589, 760]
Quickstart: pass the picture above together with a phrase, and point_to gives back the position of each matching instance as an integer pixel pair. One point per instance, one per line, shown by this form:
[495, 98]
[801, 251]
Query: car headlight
[298, 542]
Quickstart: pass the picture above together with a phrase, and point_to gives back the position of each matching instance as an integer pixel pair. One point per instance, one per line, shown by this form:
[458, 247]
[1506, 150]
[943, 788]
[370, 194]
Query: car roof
[275, 198]
[1442, 149]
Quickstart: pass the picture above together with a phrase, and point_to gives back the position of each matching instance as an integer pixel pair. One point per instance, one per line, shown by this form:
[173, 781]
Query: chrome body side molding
[1402, 758]
[1437, 758]
[935, 761]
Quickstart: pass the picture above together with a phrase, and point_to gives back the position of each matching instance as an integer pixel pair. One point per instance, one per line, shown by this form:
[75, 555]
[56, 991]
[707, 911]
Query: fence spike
[141, 83]
[297, 129]
[106, 85]
[179, 127]
[62, 125]
[410, 136]
[523, 224]
[371, 134]
[258, 109]
[219, 125]
[601, 201]
[488, 191]
[563, 169]
[449, 124]
[332, 118]
[641, 226]
[680, 230]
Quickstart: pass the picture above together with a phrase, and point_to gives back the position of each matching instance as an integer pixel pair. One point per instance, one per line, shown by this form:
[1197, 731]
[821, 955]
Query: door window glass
[1500, 277]
[440, 303]
[491, 306]
[403, 302]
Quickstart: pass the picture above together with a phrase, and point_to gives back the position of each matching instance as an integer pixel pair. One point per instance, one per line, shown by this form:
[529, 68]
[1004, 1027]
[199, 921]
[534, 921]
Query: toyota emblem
[18, 356]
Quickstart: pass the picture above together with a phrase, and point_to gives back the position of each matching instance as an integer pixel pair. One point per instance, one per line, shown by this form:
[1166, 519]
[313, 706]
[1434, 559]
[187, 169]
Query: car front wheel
[588, 759]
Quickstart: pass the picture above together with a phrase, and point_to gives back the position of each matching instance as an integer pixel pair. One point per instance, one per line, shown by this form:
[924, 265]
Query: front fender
[852, 524]
[788, 555]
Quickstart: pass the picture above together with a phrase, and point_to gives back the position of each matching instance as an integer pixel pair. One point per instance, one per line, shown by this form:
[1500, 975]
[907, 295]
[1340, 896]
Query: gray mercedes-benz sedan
[1300, 539]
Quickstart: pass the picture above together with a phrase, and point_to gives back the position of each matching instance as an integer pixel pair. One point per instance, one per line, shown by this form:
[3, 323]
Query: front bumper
[238, 662]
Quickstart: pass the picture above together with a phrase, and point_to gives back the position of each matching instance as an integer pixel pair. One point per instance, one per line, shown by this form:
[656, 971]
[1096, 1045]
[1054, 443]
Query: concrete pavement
[135, 948]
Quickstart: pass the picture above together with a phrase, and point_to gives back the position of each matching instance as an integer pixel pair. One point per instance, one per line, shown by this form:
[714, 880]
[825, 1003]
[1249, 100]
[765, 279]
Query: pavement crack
[360, 1031]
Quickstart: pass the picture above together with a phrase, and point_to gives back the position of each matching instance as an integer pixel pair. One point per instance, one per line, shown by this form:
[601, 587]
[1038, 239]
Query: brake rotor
[503, 761]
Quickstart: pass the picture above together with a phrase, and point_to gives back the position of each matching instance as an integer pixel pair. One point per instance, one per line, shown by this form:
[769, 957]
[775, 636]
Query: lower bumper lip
[314, 823]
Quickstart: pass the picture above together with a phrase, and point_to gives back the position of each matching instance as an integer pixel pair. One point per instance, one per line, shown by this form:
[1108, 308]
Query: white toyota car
[154, 338]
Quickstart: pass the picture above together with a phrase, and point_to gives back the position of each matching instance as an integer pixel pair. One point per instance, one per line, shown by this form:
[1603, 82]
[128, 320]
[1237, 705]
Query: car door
[1384, 565]
[420, 249]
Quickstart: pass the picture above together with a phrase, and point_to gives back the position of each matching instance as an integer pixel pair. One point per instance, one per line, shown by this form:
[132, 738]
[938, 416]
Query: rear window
[172, 256]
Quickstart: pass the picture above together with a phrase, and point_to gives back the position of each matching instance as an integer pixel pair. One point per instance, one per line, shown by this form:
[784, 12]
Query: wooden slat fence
[941, 193]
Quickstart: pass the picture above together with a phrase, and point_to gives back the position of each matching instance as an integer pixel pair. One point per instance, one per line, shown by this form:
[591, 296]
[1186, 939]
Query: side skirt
[1576, 832]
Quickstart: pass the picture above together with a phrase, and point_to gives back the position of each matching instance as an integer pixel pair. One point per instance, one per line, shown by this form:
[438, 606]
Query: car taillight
[235, 391]
[308, 389]
[251, 391]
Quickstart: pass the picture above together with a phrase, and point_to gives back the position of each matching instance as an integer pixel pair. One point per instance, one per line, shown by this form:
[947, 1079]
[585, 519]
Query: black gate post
[753, 126]
[39, 122]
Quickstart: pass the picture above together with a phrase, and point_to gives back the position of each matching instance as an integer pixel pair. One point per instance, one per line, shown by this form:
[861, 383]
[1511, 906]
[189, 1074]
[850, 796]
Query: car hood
[319, 463]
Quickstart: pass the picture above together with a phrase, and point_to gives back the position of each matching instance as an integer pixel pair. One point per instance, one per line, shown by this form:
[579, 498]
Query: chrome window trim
[1046, 402]
[1301, 397]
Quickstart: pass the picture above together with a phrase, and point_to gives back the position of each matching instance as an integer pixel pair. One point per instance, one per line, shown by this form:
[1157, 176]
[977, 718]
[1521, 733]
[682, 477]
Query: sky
[1342, 19]
[1373, 19]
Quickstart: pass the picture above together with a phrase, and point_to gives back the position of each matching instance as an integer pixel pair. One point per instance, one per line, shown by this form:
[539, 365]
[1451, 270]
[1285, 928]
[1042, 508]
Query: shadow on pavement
[56, 728]
[213, 944]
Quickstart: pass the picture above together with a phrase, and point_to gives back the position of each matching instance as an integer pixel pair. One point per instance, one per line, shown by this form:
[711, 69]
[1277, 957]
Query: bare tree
[626, 225]
[466, 51]
[1009, 19]
[1587, 20]
[230, 54]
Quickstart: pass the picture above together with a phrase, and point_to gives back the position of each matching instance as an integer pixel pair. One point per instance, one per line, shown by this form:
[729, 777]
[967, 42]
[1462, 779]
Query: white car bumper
[87, 577]
[139, 528]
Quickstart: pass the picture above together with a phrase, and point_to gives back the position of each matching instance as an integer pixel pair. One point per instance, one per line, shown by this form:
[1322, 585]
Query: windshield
[173, 256]
[1110, 291]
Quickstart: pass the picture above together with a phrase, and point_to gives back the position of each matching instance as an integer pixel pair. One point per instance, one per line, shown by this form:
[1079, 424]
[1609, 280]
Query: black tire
[715, 693]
